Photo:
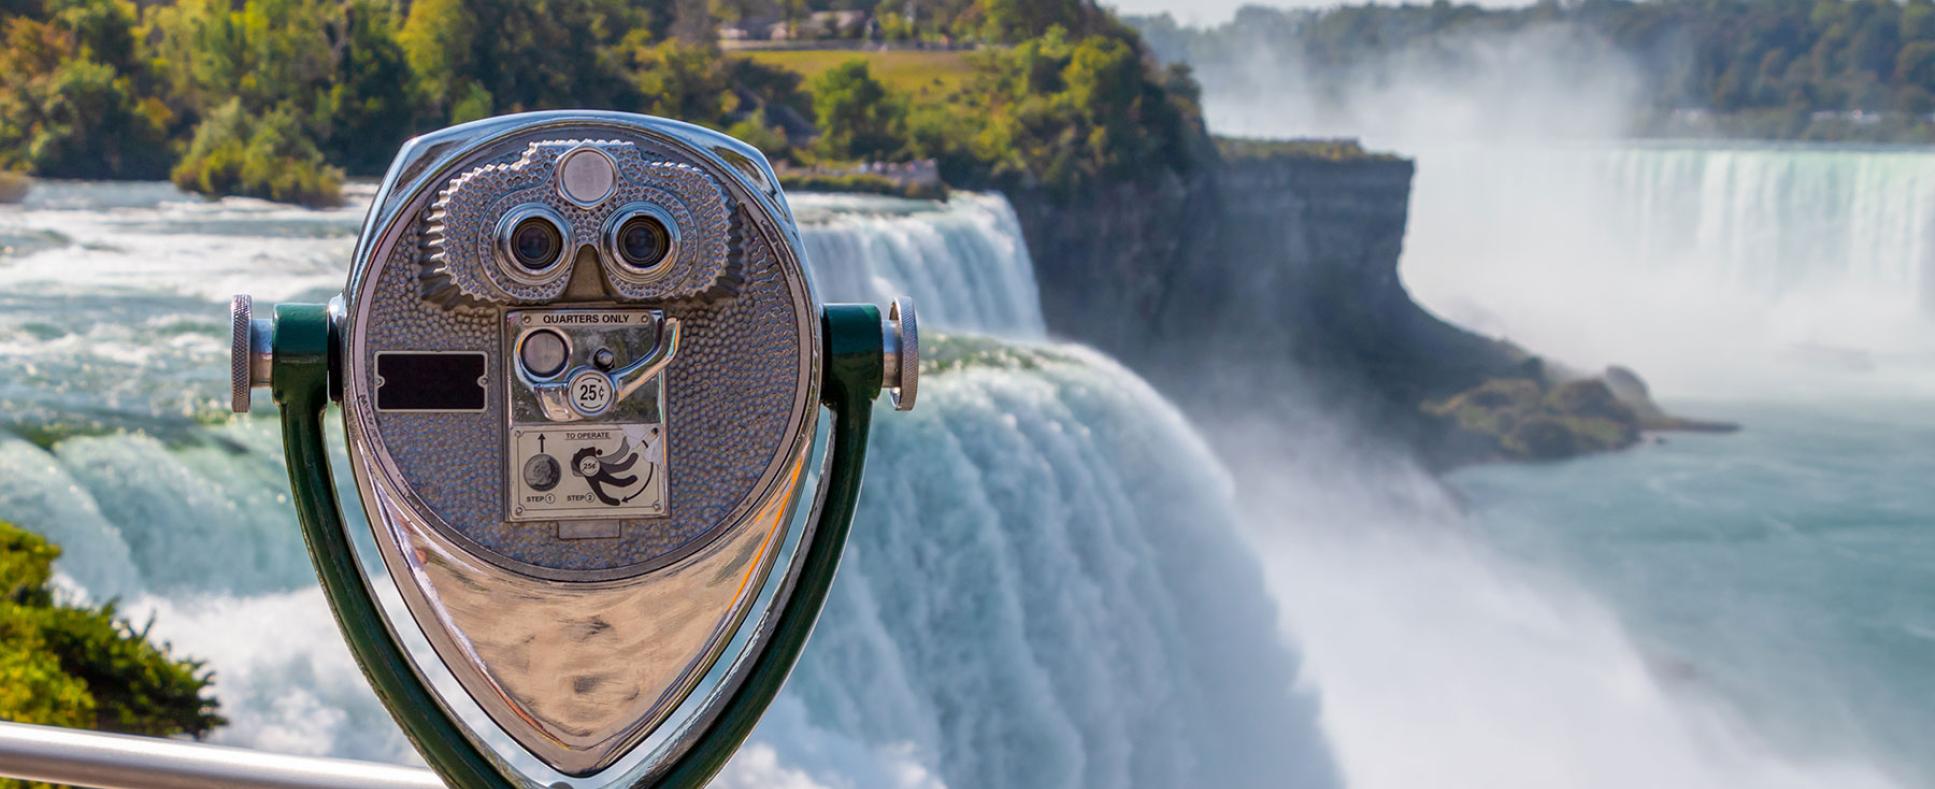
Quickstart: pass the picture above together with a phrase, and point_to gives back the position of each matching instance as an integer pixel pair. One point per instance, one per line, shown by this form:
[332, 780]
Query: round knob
[900, 360]
[250, 352]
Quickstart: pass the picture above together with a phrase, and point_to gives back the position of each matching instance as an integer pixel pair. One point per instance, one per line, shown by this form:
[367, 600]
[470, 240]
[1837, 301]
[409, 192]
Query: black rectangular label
[429, 381]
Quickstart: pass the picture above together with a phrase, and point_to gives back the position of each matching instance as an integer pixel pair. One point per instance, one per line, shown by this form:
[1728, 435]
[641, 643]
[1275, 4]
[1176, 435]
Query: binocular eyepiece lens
[643, 242]
[536, 243]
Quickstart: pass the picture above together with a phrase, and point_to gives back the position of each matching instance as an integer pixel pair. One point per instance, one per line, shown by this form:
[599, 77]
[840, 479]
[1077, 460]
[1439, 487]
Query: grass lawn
[912, 72]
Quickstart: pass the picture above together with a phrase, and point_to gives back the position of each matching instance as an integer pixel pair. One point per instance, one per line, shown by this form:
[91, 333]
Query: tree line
[1776, 68]
[282, 98]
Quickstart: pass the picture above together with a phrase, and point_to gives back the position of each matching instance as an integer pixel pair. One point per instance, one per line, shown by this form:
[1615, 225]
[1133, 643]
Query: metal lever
[559, 406]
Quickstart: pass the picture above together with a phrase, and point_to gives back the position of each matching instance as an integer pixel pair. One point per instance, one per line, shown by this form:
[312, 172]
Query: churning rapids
[1052, 581]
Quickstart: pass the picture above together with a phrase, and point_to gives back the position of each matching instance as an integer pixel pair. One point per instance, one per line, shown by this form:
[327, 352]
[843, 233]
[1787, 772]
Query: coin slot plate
[609, 465]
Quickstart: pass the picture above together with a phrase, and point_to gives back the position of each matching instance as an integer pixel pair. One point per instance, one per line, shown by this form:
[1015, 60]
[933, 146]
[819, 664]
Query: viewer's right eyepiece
[640, 239]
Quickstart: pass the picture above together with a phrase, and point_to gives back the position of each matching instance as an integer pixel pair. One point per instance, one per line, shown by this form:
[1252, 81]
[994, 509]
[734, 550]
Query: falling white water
[1717, 271]
[963, 262]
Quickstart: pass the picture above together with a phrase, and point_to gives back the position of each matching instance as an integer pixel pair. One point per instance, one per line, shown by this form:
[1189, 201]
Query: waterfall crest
[963, 262]
[1045, 587]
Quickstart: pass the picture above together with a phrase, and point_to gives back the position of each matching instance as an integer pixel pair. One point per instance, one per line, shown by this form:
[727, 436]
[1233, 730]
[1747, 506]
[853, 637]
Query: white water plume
[1444, 663]
[1767, 271]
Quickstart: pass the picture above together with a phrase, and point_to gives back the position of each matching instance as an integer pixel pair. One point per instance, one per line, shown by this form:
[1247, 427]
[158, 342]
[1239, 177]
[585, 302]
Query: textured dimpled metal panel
[465, 215]
[736, 393]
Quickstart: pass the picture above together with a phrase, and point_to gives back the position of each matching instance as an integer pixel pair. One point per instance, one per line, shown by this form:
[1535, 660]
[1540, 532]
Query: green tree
[858, 118]
[368, 108]
[65, 115]
[517, 55]
[677, 79]
[236, 152]
[266, 53]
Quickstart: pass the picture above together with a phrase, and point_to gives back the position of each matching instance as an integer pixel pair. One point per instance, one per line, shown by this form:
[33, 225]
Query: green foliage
[368, 106]
[861, 183]
[697, 83]
[858, 118]
[914, 72]
[64, 113]
[770, 140]
[1062, 114]
[1525, 419]
[263, 53]
[269, 97]
[676, 79]
[73, 666]
[499, 56]
[266, 156]
[1332, 150]
[991, 21]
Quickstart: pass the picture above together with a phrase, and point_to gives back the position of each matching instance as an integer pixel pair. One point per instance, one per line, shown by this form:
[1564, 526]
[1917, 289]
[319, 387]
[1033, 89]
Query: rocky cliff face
[1266, 281]
[1256, 281]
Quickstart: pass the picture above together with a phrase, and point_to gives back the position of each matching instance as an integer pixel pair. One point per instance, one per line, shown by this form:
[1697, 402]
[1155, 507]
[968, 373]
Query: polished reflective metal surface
[578, 565]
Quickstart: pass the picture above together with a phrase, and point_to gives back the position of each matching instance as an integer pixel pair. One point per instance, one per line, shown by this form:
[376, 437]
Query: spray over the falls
[1768, 271]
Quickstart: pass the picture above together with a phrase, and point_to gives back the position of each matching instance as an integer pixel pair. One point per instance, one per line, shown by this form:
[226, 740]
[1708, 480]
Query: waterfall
[963, 262]
[1713, 269]
[1046, 585]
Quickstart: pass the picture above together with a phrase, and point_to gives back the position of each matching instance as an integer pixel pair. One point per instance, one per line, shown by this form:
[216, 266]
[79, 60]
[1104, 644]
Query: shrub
[859, 118]
[64, 114]
[77, 666]
[269, 156]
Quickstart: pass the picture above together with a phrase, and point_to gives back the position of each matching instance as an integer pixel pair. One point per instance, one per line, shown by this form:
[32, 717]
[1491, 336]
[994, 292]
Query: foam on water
[1443, 662]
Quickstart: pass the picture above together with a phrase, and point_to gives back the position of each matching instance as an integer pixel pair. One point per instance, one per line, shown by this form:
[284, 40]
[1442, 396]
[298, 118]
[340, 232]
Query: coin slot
[543, 353]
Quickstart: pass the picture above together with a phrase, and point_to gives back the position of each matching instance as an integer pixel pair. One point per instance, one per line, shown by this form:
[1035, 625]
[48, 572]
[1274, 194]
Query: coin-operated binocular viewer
[581, 369]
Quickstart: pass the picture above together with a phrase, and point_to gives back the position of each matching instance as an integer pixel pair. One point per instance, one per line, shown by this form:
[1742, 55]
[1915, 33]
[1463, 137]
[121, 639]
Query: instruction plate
[599, 470]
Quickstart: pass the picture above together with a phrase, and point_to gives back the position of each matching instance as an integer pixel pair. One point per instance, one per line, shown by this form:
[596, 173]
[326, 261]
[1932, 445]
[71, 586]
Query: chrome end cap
[900, 354]
[251, 352]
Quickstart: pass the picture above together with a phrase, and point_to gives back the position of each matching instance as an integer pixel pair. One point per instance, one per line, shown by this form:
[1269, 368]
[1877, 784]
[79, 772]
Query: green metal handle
[301, 383]
[301, 386]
